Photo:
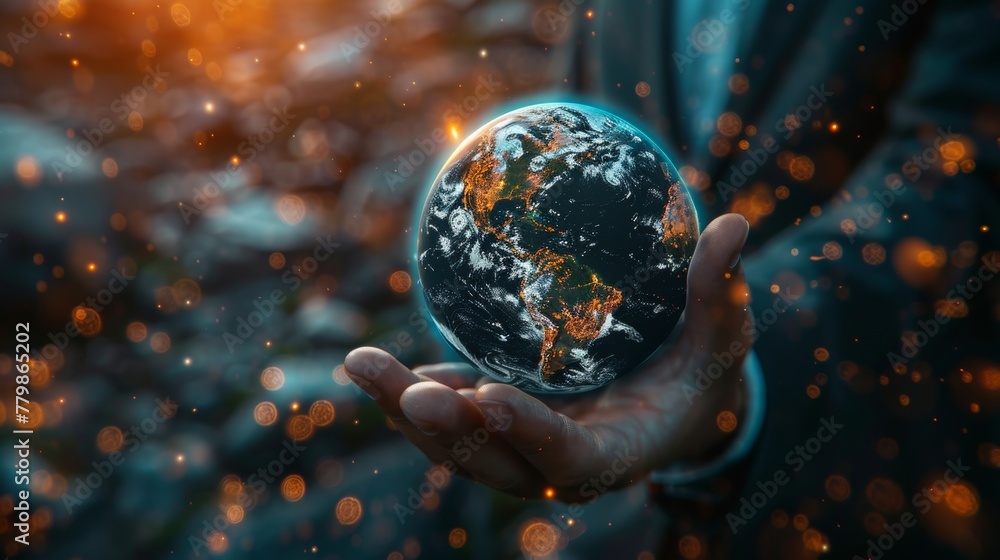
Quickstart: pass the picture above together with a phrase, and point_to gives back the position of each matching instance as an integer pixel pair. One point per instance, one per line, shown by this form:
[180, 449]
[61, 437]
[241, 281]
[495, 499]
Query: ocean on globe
[553, 248]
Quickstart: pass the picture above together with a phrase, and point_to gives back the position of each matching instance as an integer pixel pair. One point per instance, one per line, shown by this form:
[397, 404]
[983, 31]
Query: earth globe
[553, 248]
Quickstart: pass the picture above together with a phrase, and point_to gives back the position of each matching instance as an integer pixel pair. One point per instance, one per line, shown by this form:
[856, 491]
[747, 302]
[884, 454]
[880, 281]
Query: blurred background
[179, 162]
[204, 205]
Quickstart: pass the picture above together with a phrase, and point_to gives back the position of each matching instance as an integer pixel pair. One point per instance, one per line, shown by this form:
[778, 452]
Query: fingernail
[414, 415]
[498, 415]
[739, 255]
[426, 429]
[367, 386]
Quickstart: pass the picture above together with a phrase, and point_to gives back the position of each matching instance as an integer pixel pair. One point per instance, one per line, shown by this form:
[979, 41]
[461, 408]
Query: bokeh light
[265, 413]
[272, 378]
[348, 510]
[293, 487]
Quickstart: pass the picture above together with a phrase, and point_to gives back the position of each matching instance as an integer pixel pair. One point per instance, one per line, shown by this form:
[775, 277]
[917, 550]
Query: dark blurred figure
[861, 144]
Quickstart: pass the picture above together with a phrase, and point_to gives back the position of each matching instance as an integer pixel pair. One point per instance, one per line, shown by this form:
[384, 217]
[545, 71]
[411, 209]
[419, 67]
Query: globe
[553, 248]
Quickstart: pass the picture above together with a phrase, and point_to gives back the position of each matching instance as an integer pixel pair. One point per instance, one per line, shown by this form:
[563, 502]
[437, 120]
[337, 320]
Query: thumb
[717, 293]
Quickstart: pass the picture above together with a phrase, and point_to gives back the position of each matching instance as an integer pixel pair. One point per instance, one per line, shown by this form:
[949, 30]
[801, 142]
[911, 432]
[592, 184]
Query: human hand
[516, 443]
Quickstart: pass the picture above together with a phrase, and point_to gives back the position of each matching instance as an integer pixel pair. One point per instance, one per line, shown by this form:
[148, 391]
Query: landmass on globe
[553, 248]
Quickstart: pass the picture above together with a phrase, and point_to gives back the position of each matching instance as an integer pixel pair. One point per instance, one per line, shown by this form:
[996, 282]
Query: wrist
[709, 447]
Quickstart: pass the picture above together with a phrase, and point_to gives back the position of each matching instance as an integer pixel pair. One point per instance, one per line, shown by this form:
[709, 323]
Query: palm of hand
[515, 443]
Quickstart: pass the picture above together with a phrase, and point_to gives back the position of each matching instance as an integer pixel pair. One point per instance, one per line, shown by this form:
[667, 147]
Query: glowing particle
[109, 167]
[272, 378]
[953, 150]
[729, 124]
[801, 168]
[689, 546]
[181, 14]
[539, 538]
[231, 485]
[28, 171]
[86, 320]
[188, 292]
[832, 250]
[265, 413]
[110, 439]
[160, 342]
[400, 281]
[293, 488]
[456, 538]
[873, 253]
[739, 84]
[961, 499]
[726, 421]
[217, 543]
[340, 375]
[118, 222]
[815, 541]
[234, 514]
[276, 261]
[321, 413]
[291, 209]
[837, 487]
[299, 427]
[348, 510]
[69, 9]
